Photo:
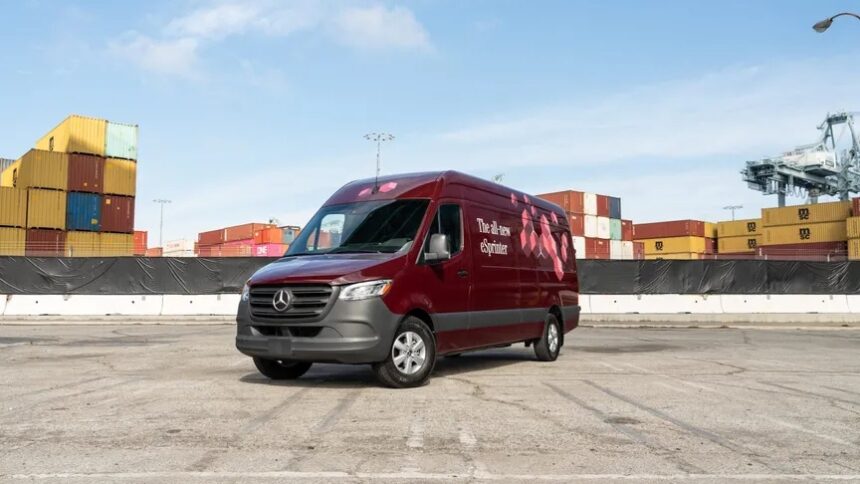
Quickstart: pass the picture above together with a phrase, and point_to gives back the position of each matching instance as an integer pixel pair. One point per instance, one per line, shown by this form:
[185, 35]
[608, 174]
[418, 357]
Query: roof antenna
[378, 138]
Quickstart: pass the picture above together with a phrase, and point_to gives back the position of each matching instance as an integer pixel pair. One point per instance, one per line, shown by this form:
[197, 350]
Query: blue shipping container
[83, 211]
[614, 207]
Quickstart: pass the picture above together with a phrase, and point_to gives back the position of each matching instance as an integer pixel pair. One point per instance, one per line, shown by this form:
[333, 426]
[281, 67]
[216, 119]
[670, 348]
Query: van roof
[426, 185]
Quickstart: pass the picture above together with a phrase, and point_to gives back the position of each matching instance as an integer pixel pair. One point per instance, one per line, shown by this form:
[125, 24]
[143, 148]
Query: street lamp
[733, 208]
[379, 138]
[826, 23]
[162, 202]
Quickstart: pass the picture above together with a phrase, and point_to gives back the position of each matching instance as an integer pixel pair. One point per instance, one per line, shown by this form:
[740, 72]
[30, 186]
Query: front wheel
[548, 346]
[412, 356]
[282, 369]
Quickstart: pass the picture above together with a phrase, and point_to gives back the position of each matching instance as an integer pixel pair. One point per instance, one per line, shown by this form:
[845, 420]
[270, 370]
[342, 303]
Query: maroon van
[398, 271]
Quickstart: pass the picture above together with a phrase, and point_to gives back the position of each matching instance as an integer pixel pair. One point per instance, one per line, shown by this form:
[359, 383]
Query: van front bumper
[351, 332]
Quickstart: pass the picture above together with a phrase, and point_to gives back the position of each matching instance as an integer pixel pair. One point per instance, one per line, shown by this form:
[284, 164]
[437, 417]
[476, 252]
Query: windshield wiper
[345, 250]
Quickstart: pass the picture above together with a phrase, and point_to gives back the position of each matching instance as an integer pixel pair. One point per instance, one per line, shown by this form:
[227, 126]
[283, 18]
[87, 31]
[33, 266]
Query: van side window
[449, 221]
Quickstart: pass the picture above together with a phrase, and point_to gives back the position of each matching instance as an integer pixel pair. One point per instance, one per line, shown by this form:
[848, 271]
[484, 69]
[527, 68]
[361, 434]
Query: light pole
[826, 23]
[379, 138]
[733, 208]
[162, 202]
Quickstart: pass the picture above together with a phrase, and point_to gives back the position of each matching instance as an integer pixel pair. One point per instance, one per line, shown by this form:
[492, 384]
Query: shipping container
[603, 230]
[272, 235]
[140, 242]
[41, 169]
[578, 246]
[816, 251]
[116, 245]
[626, 230]
[614, 207]
[589, 203]
[82, 244]
[590, 226]
[86, 173]
[12, 241]
[615, 229]
[673, 228]
[738, 245]
[852, 227]
[602, 206]
[292, 231]
[46, 209]
[675, 256]
[9, 175]
[674, 245]
[121, 140]
[45, 243]
[627, 250]
[710, 245]
[577, 224]
[855, 207]
[570, 201]
[153, 252]
[710, 230]
[853, 248]
[13, 207]
[244, 231]
[117, 214]
[738, 228]
[76, 134]
[83, 211]
[120, 177]
[5, 163]
[269, 250]
[596, 248]
[179, 245]
[638, 250]
[804, 233]
[212, 237]
[806, 214]
[615, 250]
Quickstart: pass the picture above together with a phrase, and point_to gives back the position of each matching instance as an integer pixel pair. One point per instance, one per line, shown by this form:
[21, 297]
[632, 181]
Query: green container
[614, 229]
[121, 141]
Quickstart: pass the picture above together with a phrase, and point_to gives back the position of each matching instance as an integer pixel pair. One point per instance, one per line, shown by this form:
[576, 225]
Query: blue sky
[256, 109]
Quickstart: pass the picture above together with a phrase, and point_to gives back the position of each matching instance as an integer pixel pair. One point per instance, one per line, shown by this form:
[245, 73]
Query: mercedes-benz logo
[282, 300]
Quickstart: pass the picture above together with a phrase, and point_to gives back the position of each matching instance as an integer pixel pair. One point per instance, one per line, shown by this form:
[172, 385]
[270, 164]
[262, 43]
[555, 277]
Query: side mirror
[438, 249]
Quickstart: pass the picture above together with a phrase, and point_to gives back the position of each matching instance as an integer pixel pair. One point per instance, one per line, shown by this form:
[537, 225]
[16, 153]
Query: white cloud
[215, 22]
[173, 56]
[378, 27]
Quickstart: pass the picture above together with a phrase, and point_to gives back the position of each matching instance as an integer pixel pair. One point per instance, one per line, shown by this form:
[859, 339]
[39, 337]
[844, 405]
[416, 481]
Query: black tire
[282, 369]
[545, 350]
[391, 374]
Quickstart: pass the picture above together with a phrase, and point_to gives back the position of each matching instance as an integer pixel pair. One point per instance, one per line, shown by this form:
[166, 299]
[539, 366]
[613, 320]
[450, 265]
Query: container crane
[818, 169]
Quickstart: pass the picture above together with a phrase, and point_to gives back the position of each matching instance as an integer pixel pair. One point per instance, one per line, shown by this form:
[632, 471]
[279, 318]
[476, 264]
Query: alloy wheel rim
[409, 353]
[552, 337]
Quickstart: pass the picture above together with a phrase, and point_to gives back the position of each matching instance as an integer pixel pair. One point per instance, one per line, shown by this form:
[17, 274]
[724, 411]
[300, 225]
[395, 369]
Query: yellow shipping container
[737, 228]
[674, 245]
[76, 134]
[42, 169]
[677, 256]
[120, 177]
[113, 245]
[738, 245]
[854, 249]
[83, 244]
[852, 227]
[12, 241]
[9, 176]
[710, 230]
[46, 209]
[804, 233]
[13, 207]
[806, 214]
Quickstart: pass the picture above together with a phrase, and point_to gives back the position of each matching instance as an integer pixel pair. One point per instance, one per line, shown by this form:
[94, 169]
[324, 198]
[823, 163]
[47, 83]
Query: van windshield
[383, 226]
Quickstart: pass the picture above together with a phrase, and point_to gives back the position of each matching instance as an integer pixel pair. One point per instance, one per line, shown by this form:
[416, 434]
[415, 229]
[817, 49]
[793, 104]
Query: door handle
[462, 273]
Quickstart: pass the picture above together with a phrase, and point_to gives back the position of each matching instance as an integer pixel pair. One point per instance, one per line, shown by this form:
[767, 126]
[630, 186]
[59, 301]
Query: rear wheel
[282, 369]
[548, 346]
[412, 356]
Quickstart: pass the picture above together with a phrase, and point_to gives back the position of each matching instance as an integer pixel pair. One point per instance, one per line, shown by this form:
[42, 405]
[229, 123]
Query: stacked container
[813, 231]
[246, 240]
[676, 239]
[595, 224]
[738, 237]
[179, 248]
[13, 220]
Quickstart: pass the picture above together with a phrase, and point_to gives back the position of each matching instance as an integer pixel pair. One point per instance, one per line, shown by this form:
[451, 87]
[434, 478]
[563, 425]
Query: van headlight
[365, 290]
[246, 292]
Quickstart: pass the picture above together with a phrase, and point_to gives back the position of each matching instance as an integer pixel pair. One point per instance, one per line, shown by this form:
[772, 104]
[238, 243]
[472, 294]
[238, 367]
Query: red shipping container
[45, 243]
[269, 250]
[117, 214]
[237, 248]
[273, 235]
[639, 250]
[153, 252]
[209, 251]
[817, 251]
[211, 237]
[626, 230]
[569, 200]
[710, 246]
[596, 248]
[674, 228]
[855, 207]
[577, 224]
[244, 231]
[86, 173]
[140, 242]
[602, 206]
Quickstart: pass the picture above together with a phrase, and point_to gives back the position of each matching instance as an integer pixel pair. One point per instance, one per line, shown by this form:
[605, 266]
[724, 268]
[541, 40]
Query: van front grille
[308, 302]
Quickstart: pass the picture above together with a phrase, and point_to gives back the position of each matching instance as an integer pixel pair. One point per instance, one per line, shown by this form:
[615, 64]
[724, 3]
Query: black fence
[197, 275]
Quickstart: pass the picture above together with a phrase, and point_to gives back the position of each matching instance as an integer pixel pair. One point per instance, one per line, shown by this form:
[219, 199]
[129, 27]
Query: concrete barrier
[655, 303]
[212, 304]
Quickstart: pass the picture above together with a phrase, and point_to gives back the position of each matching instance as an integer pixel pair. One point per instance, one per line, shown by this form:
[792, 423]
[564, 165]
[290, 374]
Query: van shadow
[325, 375]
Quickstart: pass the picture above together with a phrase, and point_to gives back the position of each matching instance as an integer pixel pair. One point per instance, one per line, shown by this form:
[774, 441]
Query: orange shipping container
[272, 235]
[570, 201]
[140, 242]
[153, 252]
[244, 231]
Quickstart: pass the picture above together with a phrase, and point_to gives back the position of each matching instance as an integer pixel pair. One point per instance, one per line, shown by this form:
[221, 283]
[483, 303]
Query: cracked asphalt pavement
[180, 404]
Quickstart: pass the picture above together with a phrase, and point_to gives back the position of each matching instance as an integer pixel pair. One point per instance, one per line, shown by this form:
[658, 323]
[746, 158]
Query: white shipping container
[627, 250]
[579, 246]
[616, 251]
[603, 229]
[589, 202]
[178, 253]
[590, 226]
[180, 245]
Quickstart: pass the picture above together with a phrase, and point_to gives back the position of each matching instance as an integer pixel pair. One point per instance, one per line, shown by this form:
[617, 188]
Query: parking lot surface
[179, 404]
